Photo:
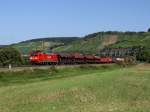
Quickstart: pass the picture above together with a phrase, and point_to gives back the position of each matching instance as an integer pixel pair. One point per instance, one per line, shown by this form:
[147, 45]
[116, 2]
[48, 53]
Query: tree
[9, 56]
[144, 55]
[149, 30]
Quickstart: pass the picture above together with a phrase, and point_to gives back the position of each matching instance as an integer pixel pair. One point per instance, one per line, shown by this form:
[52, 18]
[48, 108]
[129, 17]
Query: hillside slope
[45, 44]
[88, 44]
[95, 42]
[91, 43]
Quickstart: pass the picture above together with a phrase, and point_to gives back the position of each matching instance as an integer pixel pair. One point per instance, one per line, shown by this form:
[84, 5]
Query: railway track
[30, 67]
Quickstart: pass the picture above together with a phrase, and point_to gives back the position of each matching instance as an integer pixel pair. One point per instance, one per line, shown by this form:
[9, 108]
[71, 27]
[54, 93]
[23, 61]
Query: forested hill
[53, 39]
[2, 46]
[91, 43]
[46, 44]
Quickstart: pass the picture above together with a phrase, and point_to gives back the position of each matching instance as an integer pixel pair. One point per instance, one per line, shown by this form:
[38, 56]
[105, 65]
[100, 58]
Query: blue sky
[27, 19]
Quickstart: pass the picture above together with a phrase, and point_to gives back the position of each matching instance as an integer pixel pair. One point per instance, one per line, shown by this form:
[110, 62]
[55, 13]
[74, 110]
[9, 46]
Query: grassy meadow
[105, 88]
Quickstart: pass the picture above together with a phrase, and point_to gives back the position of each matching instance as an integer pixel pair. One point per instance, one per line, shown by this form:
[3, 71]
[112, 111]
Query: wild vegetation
[77, 89]
[9, 55]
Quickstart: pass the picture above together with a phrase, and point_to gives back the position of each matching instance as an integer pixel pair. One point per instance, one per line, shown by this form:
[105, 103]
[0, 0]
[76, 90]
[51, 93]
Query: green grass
[80, 89]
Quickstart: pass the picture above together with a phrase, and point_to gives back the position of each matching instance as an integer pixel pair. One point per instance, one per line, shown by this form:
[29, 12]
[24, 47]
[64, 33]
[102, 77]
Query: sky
[27, 19]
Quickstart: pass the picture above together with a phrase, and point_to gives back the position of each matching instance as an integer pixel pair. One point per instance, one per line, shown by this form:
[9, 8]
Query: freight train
[41, 58]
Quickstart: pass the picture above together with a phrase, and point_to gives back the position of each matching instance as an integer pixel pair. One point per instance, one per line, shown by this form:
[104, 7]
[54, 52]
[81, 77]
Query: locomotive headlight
[49, 57]
[35, 58]
[31, 58]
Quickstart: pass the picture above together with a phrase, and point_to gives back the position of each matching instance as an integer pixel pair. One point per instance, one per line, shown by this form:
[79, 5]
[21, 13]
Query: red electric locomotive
[39, 57]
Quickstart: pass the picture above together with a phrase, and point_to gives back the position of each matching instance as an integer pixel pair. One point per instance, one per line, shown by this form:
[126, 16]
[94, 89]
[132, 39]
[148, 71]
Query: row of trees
[10, 55]
[114, 32]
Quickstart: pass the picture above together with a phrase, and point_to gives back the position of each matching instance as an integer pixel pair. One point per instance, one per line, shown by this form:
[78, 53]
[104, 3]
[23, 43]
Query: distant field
[78, 89]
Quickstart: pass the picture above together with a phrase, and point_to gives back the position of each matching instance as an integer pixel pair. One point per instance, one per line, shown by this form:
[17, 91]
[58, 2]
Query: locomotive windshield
[33, 54]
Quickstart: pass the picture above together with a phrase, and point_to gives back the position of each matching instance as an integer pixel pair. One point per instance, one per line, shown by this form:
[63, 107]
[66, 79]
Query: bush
[53, 70]
[144, 55]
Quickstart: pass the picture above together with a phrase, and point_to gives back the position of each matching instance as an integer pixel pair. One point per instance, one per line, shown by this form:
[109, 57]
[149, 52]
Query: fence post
[10, 67]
